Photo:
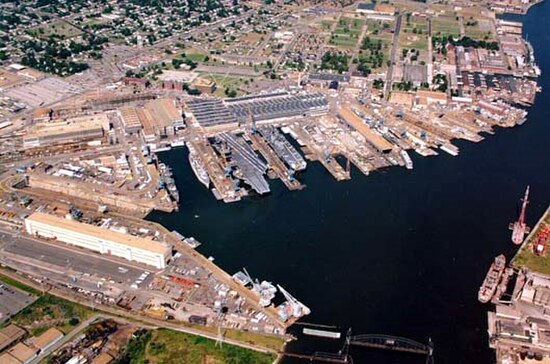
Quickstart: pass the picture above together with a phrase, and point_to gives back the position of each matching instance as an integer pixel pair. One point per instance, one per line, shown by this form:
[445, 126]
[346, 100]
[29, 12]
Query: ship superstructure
[491, 281]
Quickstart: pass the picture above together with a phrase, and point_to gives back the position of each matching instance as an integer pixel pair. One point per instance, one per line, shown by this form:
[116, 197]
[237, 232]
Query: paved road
[389, 77]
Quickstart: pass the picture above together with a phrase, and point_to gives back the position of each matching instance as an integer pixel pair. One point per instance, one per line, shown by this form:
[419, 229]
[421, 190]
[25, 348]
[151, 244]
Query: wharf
[274, 162]
[250, 167]
[222, 185]
[332, 166]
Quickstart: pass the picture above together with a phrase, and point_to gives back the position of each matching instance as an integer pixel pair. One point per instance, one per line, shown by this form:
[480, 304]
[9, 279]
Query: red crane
[540, 245]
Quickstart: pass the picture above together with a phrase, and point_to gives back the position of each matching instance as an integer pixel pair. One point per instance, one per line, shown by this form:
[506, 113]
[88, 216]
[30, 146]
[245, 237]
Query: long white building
[98, 239]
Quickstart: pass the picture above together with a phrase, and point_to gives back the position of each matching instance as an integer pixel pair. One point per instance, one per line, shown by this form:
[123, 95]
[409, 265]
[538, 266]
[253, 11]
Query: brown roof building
[9, 335]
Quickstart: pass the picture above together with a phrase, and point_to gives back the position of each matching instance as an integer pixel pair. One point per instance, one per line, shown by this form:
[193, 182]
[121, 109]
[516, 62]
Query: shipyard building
[71, 131]
[98, 239]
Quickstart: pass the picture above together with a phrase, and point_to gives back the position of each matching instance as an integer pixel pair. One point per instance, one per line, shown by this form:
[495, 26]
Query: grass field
[446, 25]
[347, 32]
[226, 82]
[166, 346]
[480, 29]
[50, 311]
[195, 57]
[326, 24]
[59, 28]
[414, 33]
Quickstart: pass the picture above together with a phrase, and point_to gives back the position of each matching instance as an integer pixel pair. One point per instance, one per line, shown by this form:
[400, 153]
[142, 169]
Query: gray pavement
[12, 301]
[71, 259]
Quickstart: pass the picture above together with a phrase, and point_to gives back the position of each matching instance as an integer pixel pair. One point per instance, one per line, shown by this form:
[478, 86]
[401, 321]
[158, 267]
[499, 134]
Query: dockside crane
[298, 308]
[520, 228]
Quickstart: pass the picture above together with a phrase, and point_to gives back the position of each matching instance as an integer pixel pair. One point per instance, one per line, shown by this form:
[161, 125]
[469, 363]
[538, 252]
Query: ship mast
[524, 207]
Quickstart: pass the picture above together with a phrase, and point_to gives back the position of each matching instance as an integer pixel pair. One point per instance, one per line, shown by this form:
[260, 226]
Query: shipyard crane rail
[394, 343]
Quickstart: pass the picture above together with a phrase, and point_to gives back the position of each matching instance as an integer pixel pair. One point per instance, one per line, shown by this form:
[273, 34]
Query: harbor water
[398, 252]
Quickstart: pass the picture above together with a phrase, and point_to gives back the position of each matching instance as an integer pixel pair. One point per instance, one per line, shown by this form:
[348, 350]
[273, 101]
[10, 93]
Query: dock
[274, 162]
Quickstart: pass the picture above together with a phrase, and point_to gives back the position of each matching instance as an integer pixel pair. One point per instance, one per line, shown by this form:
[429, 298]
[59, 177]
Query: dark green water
[399, 252]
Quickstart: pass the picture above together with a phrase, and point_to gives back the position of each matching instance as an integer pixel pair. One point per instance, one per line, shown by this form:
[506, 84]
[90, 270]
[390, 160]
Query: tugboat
[489, 286]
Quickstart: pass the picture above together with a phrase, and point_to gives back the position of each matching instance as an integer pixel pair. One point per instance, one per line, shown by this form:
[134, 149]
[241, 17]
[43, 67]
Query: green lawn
[195, 57]
[165, 346]
[445, 25]
[59, 28]
[326, 24]
[347, 32]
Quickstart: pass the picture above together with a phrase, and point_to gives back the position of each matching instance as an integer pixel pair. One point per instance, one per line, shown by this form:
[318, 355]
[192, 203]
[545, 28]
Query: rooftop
[22, 352]
[42, 341]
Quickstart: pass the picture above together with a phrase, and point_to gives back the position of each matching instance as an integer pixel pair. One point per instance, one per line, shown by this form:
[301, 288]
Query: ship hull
[199, 170]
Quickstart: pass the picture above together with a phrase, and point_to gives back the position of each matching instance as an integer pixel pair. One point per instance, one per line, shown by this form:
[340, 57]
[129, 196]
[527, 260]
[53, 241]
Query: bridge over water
[375, 341]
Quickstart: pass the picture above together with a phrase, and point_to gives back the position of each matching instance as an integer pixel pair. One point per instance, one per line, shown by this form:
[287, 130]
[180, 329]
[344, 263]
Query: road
[389, 76]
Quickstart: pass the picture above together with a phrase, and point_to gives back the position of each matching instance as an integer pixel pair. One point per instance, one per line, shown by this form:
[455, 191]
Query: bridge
[394, 343]
[375, 341]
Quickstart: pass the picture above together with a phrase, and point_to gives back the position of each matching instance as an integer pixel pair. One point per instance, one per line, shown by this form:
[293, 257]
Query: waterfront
[398, 252]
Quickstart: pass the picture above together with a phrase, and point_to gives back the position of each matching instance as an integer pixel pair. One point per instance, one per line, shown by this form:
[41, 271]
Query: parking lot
[66, 259]
[12, 301]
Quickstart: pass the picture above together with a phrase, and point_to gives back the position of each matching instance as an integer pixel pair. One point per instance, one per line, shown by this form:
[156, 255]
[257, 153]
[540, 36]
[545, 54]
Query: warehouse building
[9, 335]
[20, 353]
[377, 141]
[166, 117]
[98, 239]
[70, 131]
[131, 119]
[46, 340]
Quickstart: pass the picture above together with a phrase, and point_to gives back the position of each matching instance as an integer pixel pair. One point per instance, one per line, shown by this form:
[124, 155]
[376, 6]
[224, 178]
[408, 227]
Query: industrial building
[211, 112]
[9, 335]
[277, 106]
[377, 141]
[46, 340]
[20, 353]
[98, 239]
[165, 115]
[70, 131]
[131, 119]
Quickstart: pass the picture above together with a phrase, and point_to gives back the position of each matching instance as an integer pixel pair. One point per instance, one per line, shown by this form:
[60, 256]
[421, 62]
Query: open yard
[59, 28]
[446, 25]
[480, 29]
[47, 311]
[414, 33]
[50, 311]
[347, 32]
[167, 346]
